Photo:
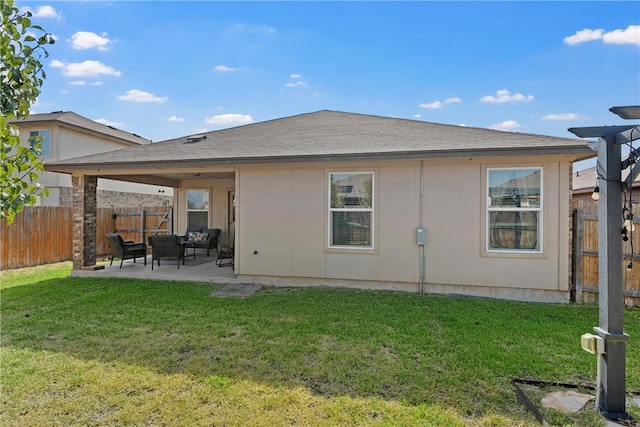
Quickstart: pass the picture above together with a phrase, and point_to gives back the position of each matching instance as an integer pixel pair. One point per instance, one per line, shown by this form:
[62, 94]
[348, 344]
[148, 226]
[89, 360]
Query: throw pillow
[202, 237]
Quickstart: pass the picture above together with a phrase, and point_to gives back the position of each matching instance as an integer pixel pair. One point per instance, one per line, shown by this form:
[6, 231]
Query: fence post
[143, 224]
[578, 252]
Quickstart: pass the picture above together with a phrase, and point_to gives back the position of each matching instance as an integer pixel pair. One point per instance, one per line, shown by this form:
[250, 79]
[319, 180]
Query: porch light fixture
[596, 193]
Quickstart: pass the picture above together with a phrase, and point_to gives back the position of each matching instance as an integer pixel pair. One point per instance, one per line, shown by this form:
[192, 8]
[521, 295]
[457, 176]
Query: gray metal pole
[610, 399]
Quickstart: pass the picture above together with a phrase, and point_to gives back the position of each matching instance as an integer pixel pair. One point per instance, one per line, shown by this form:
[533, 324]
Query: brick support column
[84, 221]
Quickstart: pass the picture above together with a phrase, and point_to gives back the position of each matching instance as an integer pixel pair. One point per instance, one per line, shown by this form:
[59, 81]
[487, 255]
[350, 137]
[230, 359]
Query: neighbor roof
[71, 119]
[325, 136]
[584, 180]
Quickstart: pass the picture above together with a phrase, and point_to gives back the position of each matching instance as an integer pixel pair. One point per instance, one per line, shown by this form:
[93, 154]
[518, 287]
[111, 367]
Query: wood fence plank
[588, 251]
[578, 258]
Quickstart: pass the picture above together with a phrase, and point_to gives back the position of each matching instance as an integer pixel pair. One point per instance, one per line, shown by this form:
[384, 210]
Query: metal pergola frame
[611, 394]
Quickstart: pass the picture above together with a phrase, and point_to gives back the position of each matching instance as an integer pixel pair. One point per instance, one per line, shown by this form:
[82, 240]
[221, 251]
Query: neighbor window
[351, 209]
[41, 137]
[197, 209]
[514, 207]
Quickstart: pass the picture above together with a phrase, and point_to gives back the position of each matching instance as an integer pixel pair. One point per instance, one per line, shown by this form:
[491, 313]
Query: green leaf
[22, 77]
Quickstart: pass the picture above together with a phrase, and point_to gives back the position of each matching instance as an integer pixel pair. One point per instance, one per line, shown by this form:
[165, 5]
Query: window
[42, 137]
[351, 210]
[197, 208]
[514, 207]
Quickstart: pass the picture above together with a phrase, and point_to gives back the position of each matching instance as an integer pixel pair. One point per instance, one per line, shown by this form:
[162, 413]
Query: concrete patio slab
[204, 270]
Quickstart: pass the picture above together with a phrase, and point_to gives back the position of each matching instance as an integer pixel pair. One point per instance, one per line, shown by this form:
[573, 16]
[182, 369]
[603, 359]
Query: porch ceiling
[166, 179]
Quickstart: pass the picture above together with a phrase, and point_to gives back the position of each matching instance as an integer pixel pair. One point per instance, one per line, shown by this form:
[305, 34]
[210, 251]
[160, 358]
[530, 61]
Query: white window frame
[36, 133]
[370, 210]
[207, 202]
[537, 209]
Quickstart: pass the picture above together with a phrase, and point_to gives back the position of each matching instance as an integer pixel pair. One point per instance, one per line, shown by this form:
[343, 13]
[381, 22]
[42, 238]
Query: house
[66, 134]
[584, 182]
[352, 200]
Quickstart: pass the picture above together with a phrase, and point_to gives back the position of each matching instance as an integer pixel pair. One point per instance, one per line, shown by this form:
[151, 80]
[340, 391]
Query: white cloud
[439, 104]
[417, 116]
[85, 83]
[503, 95]
[505, 125]
[630, 35]
[582, 36]
[225, 68]
[44, 12]
[136, 95]
[564, 116]
[88, 68]
[229, 119]
[110, 123]
[432, 105]
[299, 83]
[175, 119]
[87, 40]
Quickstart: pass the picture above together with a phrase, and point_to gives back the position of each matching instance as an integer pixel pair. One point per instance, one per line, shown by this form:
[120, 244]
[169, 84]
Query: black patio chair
[226, 256]
[125, 249]
[166, 247]
[207, 238]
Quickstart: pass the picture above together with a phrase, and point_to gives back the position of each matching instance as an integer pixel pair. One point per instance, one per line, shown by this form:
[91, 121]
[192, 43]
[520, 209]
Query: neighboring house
[66, 134]
[352, 200]
[586, 180]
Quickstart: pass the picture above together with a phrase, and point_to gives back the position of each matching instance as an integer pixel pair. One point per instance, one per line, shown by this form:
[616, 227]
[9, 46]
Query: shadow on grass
[457, 352]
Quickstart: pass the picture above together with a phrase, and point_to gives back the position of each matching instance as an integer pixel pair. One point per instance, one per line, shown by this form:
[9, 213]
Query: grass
[138, 352]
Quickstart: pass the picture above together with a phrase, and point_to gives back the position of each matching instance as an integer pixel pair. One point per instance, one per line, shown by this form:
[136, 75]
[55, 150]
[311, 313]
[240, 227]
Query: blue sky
[164, 69]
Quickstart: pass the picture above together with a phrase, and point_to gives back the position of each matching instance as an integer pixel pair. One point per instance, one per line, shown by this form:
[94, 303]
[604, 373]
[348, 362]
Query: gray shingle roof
[584, 180]
[79, 122]
[332, 135]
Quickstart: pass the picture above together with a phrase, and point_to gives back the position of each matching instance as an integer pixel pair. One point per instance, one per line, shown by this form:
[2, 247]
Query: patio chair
[166, 247]
[226, 256]
[125, 249]
[202, 238]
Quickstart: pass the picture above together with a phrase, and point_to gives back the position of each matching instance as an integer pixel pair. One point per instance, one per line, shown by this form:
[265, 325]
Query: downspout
[422, 259]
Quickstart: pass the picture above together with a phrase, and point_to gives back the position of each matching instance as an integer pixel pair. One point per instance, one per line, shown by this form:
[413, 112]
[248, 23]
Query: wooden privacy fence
[44, 234]
[585, 256]
[39, 235]
[136, 225]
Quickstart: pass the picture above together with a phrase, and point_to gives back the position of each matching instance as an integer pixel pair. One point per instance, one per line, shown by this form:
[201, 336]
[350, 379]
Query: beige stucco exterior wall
[218, 189]
[281, 233]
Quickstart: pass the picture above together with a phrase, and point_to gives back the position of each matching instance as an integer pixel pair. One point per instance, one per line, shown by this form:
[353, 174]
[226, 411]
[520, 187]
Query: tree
[21, 77]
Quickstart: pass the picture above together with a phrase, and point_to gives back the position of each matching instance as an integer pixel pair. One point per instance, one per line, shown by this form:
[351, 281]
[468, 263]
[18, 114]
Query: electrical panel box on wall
[421, 236]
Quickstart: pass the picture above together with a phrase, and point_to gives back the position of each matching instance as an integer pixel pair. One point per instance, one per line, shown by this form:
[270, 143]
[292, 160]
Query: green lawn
[137, 352]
